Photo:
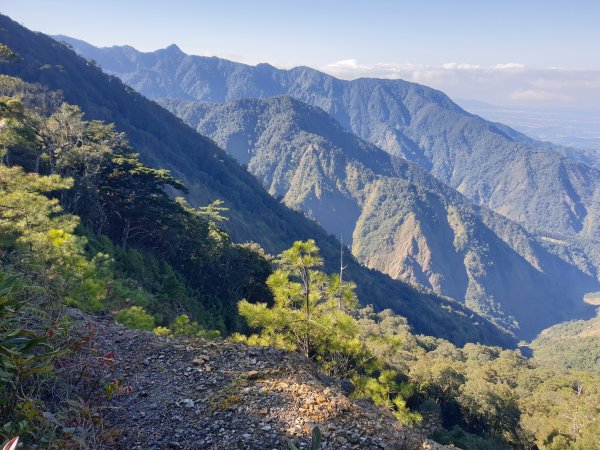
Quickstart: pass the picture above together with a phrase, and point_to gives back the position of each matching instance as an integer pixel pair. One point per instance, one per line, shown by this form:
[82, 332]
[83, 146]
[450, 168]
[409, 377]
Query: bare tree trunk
[126, 233]
[307, 335]
[37, 163]
[342, 267]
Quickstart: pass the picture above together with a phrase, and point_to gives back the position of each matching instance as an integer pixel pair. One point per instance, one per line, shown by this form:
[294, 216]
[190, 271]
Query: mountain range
[165, 141]
[489, 163]
[433, 195]
[398, 218]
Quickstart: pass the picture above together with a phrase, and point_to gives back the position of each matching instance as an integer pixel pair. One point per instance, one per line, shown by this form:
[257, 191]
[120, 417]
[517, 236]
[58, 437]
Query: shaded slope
[519, 178]
[165, 141]
[398, 218]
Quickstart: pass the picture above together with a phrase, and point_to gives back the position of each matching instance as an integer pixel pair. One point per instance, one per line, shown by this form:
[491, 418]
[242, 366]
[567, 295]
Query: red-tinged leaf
[12, 444]
[107, 362]
[126, 390]
[52, 330]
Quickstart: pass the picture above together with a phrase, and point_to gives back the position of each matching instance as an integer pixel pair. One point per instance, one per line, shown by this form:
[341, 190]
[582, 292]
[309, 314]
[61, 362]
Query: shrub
[183, 326]
[135, 317]
[24, 355]
[162, 331]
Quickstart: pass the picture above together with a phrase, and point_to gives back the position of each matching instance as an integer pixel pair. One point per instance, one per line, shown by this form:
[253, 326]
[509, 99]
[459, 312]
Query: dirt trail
[221, 395]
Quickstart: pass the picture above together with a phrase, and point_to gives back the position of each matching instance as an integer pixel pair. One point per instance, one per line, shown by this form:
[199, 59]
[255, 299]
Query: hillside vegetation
[85, 223]
[397, 217]
[209, 174]
[484, 397]
[570, 345]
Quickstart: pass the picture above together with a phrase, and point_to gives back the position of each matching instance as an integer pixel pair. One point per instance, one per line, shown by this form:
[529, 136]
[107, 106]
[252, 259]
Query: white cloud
[460, 66]
[532, 94]
[347, 63]
[509, 66]
[510, 84]
[584, 80]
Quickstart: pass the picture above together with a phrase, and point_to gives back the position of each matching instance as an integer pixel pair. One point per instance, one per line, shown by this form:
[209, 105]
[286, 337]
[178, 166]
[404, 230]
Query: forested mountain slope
[573, 345]
[489, 163]
[166, 142]
[399, 218]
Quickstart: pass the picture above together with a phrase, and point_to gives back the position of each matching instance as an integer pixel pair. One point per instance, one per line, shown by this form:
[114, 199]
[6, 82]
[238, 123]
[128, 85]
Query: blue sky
[317, 32]
[449, 44]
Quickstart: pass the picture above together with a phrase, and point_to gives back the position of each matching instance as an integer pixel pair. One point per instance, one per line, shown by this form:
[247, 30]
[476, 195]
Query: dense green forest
[571, 345]
[84, 223]
[113, 209]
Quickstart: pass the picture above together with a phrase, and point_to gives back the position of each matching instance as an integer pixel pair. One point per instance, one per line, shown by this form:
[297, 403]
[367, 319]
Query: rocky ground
[177, 394]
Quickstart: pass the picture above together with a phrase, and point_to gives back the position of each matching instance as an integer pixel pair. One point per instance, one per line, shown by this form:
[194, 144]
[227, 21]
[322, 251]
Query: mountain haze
[399, 218]
[521, 179]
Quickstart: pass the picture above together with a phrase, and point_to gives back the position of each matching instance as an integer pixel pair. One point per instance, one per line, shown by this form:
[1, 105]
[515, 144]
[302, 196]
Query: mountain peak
[265, 66]
[174, 49]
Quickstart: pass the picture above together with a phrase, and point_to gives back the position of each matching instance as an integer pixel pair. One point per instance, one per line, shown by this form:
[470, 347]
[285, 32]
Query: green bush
[468, 441]
[135, 317]
[126, 292]
[23, 355]
[183, 326]
[388, 390]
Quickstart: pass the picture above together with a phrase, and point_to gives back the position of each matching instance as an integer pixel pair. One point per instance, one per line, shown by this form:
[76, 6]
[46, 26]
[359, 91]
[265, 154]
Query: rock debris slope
[220, 395]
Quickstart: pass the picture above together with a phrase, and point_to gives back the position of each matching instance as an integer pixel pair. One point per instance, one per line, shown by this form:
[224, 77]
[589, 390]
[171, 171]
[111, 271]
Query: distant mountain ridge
[522, 180]
[399, 219]
[164, 141]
